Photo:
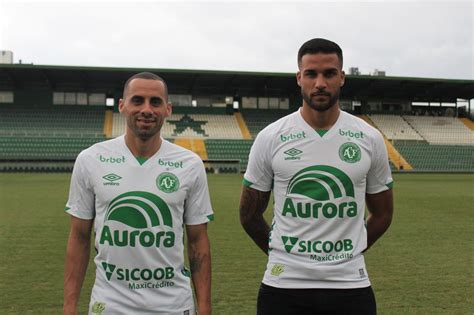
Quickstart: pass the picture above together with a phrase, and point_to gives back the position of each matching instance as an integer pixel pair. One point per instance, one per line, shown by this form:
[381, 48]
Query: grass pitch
[422, 265]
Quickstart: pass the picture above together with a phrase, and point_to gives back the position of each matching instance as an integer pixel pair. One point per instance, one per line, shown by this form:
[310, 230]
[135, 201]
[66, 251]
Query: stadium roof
[229, 83]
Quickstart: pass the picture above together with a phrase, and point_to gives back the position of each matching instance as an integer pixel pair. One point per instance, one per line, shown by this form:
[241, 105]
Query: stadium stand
[59, 133]
[218, 113]
[36, 137]
[258, 119]
[430, 157]
[118, 125]
[202, 126]
[44, 148]
[229, 149]
[243, 126]
[252, 122]
[441, 130]
[429, 143]
[193, 144]
[214, 137]
[394, 127]
[191, 126]
[60, 121]
[396, 160]
[467, 122]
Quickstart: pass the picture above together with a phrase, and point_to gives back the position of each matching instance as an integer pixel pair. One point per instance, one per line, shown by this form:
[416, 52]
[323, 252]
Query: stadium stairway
[469, 124]
[243, 126]
[395, 157]
[195, 145]
[108, 123]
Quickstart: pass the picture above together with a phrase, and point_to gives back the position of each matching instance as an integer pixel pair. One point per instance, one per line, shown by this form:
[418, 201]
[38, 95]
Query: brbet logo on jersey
[351, 134]
[111, 159]
[174, 164]
[293, 136]
[350, 152]
[325, 185]
[167, 182]
[141, 211]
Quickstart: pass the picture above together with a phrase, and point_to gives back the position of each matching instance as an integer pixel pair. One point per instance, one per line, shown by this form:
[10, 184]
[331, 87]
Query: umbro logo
[292, 154]
[111, 179]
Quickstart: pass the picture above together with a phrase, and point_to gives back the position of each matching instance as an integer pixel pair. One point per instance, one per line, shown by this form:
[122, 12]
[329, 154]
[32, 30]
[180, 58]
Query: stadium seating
[229, 149]
[118, 126]
[56, 134]
[429, 157]
[60, 121]
[394, 127]
[35, 137]
[258, 119]
[441, 130]
[44, 148]
[212, 126]
[430, 143]
[202, 126]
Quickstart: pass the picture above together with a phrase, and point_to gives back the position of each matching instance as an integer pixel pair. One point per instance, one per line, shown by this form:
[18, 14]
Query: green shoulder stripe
[389, 185]
[246, 183]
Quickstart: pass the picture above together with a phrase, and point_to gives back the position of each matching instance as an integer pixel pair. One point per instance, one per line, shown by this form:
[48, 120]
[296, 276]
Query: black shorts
[276, 301]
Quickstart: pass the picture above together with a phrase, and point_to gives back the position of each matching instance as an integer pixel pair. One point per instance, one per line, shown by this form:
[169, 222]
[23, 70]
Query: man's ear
[169, 109]
[121, 105]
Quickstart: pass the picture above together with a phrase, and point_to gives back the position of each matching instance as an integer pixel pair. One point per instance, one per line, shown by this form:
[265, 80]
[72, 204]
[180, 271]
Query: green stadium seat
[430, 157]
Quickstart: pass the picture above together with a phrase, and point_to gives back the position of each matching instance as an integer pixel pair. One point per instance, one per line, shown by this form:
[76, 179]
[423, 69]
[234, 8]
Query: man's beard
[321, 106]
[145, 133]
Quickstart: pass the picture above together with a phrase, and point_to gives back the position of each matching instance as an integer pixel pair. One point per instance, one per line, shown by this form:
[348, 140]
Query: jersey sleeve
[81, 202]
[197, 206]
[379, 177]
[259, 173]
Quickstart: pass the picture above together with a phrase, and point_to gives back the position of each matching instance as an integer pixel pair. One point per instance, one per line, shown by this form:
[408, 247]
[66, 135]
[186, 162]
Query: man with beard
[324, 166]
[138, 192]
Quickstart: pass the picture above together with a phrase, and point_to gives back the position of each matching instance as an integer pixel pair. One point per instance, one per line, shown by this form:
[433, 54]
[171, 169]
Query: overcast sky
[430, 39]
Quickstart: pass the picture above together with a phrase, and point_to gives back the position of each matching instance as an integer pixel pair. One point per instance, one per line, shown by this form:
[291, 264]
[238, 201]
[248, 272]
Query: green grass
[423, 265]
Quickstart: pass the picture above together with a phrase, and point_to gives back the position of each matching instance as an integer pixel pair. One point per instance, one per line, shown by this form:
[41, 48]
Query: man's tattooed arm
[199, 255]
[195, 262]
[253, 204]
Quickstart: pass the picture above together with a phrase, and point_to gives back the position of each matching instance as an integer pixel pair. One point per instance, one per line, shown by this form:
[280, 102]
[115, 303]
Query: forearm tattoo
[253, 204]
[196, 261]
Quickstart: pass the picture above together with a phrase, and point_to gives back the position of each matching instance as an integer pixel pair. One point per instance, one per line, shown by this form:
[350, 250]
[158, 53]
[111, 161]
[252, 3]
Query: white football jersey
[319, 184]
[139, 214]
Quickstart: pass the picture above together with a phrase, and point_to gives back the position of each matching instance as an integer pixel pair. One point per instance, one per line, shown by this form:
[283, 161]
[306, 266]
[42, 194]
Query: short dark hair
[146, 76]
[319, 45]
